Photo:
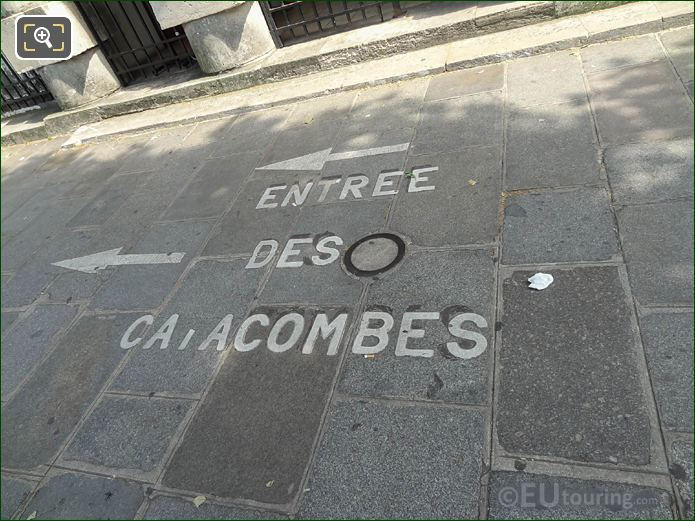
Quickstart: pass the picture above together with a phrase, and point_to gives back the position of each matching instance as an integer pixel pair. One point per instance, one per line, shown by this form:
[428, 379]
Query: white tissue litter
[540, 281]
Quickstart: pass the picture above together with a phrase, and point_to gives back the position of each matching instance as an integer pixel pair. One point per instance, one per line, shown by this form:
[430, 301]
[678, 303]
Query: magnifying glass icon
[42, 35]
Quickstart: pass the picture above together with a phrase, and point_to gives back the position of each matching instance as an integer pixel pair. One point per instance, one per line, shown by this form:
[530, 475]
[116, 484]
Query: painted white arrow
[316, 160]
[99, 261]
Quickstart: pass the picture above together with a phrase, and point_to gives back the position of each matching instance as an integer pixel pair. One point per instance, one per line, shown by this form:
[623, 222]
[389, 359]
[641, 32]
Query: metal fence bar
[134, 44]
[21, 90]
[283, 17]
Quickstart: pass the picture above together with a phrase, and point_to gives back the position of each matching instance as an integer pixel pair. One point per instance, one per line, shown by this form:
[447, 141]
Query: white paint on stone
[325, 329]
[219, 334]
[126, 343]
[381, 333]
[316, 160]
[294, 320]
[164, 333]
[240, 343]
[407, 331]
[99, 261]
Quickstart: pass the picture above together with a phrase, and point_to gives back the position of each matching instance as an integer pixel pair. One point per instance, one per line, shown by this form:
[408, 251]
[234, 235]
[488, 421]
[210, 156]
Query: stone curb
[527, 40]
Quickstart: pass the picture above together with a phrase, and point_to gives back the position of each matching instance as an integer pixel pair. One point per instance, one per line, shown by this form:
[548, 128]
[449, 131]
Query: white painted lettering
[187, 338]
[381, 333]
[417, 178]
[325, 329]
[290, 250]
[298, 326]
[381, 182]
[456, 330]
[254, 262]
[240, 343]
[326, 185]
[298, 195]
[407, 332]
[268, 196]
[321, 247]
[219, 334]
[164, 333]
[126, 343]
[352, 185]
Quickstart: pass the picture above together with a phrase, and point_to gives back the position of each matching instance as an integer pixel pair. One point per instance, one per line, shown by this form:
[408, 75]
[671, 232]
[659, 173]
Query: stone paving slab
[640, 103]
[535, 80]
[551, 145]
[210, 291]
[14, 492]
[464, 285]
[43, 413]
[81, 496]
[147, 286]
[400, 458]
[167, 507]
[681, 467]
[534, 496]
[29, 342]
[442, 127]
[129, 436]
[577, 394]
[463, 206]
[657, 244]
[575, 225]
[668, 341]
[650, 172]
[621, 53]
[253, 435]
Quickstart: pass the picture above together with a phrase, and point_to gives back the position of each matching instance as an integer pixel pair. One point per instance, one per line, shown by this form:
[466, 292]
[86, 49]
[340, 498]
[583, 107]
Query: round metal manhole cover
[374, 254]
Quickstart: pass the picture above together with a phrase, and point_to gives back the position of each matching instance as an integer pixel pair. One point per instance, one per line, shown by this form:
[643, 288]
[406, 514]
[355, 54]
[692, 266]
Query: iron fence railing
[132, 41]
[295, 21]
[21, 90]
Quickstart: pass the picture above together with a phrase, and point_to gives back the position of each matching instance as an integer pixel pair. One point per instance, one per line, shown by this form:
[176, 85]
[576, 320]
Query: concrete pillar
[223, 35]
[84, 77]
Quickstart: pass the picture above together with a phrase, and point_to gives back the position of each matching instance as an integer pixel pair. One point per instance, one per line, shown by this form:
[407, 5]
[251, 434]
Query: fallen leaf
[270, 483]
[472, 182]
[199, 500]
[32, 515]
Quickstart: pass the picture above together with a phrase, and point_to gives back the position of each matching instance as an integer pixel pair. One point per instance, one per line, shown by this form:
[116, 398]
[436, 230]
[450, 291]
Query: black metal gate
[134, 45]
[294, 22]
[21, 90]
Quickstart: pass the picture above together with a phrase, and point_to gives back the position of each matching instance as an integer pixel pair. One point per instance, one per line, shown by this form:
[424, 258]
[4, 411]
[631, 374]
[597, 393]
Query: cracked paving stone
[30, 341]
[253, 435]
[42, 414]
[575, 225]
[464, 284]
[668, 341]
[658, 248]
[167, 507]
[518, 495]
[681, 469]
[14, 492]
[210, 290]
[569, 385]
[128, 435]
[396, 461]
[82, 496]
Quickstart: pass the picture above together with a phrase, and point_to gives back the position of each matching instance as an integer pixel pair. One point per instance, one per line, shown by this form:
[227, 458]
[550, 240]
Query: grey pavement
[207, 350]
